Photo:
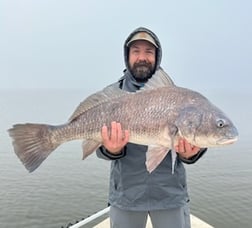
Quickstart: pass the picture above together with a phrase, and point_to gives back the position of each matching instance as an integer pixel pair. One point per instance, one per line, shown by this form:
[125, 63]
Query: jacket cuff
[194, 158]
[111, 156]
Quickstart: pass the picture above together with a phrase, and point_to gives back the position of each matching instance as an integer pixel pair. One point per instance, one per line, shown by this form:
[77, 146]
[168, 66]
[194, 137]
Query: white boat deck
[195, 223]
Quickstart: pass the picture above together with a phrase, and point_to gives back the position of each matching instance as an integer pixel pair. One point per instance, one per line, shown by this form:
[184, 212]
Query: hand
[116, 140]
[185, 149]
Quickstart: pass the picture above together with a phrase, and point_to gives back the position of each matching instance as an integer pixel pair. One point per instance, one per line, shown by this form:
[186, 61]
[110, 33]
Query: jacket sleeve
[103, 153]
[194, 158]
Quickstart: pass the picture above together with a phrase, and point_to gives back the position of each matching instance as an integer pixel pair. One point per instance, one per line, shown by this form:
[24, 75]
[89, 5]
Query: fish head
[216, 129]
[206, 127]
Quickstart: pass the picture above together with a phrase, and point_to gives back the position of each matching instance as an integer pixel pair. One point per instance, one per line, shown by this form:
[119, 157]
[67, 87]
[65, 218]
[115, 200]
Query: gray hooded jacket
[132, 187]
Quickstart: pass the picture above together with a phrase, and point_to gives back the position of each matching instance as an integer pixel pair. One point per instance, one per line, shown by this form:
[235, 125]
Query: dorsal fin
[159, 79]
[97, 98]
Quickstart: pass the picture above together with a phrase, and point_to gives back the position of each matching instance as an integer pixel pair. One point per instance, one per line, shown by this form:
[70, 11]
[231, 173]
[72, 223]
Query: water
[65, 188]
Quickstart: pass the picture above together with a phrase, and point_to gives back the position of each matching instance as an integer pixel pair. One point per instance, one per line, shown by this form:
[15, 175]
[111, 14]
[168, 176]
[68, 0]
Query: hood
[153, 35]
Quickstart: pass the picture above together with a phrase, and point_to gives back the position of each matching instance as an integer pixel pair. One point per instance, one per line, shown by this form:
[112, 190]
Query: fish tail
[32, 143]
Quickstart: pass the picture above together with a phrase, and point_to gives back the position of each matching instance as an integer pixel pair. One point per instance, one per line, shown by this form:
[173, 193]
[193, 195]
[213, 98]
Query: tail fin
[32, 143]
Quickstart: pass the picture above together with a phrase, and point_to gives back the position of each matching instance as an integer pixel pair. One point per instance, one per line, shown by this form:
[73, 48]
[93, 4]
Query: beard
[142, 71]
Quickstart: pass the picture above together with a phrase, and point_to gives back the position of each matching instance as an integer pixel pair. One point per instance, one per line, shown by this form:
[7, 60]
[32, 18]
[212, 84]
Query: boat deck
[195, 223]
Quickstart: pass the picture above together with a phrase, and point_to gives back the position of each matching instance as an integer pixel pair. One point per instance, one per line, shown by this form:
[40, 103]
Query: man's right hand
[116, 139]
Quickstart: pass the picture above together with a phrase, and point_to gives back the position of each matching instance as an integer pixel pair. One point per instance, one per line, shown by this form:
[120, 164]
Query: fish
[157, 115]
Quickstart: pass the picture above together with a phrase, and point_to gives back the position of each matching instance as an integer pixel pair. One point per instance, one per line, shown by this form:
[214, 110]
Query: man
[134, 192]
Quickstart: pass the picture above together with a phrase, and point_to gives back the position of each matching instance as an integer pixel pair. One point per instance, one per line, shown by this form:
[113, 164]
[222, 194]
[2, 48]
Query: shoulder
[117, 84]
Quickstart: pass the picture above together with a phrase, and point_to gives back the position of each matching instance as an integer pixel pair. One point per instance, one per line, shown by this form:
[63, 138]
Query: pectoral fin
[89, 147]
[154, 156]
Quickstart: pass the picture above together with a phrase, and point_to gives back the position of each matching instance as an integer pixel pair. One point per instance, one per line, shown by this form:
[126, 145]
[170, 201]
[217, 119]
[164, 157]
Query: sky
[78, 44]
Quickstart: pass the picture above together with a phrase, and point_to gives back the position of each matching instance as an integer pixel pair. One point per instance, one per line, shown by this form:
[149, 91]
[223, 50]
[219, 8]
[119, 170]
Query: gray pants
[170, 218]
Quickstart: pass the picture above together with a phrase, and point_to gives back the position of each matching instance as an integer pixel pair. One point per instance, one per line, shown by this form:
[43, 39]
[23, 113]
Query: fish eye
[220, 123]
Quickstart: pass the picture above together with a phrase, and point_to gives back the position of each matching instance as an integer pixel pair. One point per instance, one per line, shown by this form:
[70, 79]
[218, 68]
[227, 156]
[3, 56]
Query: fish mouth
[227, 141]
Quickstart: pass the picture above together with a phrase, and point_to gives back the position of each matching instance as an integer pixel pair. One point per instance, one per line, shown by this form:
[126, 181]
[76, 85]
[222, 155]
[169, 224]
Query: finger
[126, 137]
[104, 133]
[181, 146]
[188, 147]
[119, 132]
[113, 133]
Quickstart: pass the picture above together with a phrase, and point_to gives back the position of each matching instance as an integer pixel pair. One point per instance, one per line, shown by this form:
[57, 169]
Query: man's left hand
[185, 149]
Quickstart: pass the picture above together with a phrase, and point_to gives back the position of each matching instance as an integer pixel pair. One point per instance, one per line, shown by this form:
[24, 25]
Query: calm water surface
[65, 188]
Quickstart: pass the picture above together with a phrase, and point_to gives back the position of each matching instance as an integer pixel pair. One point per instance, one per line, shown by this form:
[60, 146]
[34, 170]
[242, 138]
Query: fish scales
[145, 110]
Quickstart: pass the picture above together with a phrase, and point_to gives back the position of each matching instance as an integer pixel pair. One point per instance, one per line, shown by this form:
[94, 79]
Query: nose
[142, 56]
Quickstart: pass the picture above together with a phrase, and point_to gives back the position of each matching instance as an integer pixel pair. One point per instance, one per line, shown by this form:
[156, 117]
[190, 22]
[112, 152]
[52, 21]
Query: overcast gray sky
[79, 44]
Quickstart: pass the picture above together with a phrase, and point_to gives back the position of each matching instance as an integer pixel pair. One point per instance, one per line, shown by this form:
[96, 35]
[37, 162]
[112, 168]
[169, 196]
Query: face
[142, 58]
